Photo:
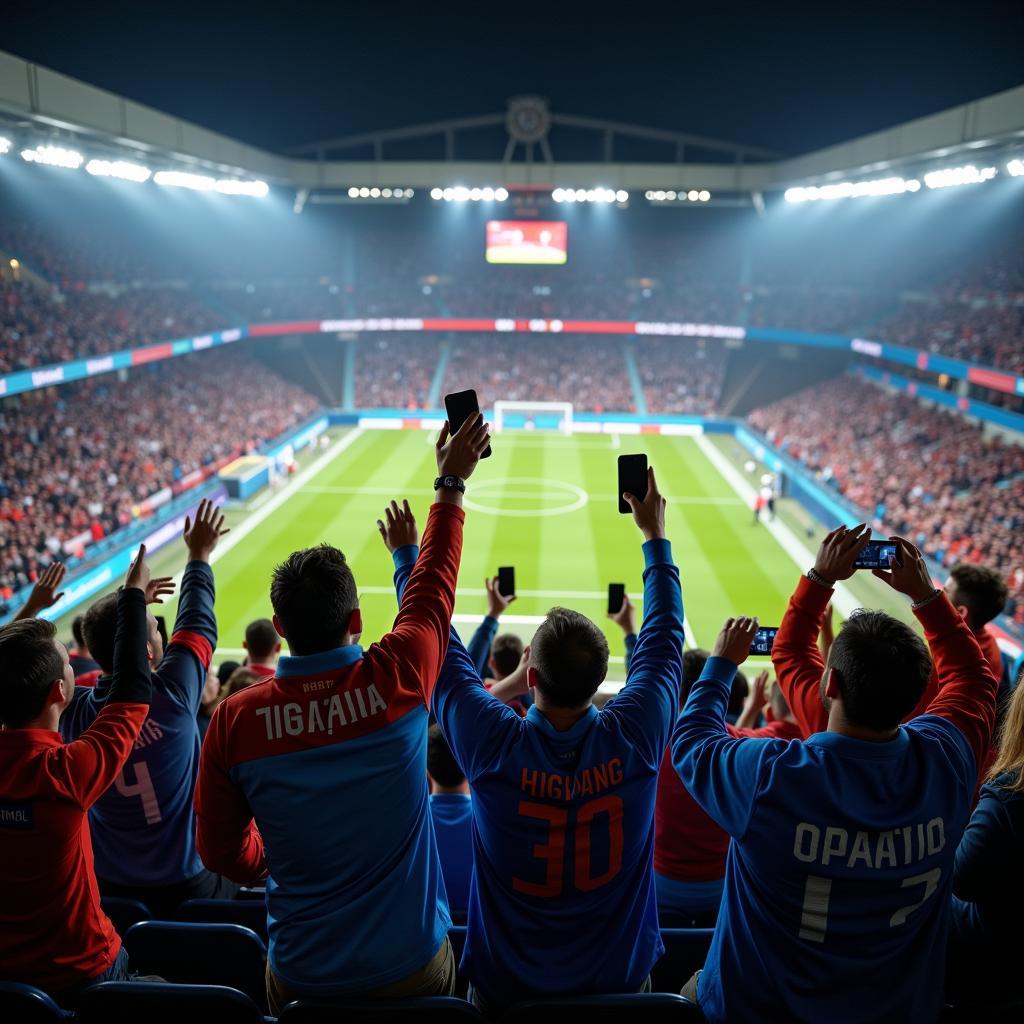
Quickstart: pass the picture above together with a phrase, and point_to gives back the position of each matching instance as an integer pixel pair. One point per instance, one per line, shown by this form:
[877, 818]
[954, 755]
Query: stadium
[194, 326]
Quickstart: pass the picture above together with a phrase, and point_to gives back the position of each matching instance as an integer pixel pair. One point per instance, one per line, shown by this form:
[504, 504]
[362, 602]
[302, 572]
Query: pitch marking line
[801, 555]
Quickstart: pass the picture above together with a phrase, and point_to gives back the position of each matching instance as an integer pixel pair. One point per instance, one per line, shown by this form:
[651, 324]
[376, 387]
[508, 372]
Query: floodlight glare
[353, 192]
[501, 194]
[622, 196]
[1015, 168]
[123, 169]
[693, 195]
[704, 195]
[181, 179]
[385, 193]
[53, 156]
[437, 193]
[236, 187]
[950, 177]
[5, 145]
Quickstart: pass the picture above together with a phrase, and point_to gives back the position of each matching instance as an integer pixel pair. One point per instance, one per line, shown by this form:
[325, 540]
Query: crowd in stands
[921, 471]
[680, 376]
[76, 462]
[395, 372]
[834, 836]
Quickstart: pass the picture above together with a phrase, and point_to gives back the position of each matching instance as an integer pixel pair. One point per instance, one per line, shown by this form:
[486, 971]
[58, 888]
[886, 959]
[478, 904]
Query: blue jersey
[452, 814]
[837, 886]
[143, 827]
[562, 899]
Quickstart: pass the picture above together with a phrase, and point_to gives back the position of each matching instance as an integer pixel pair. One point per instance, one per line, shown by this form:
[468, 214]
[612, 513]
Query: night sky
[787, 76]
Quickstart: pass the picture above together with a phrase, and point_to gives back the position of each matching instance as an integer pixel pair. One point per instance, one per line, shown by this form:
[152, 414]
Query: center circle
[535, 485]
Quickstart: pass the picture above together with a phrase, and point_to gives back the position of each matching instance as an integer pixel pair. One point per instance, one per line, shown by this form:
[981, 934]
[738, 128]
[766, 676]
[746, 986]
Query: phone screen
[616, 597]
[632, 478]
[877, 555]
[763, 640]
[506, 581]
[458, 407]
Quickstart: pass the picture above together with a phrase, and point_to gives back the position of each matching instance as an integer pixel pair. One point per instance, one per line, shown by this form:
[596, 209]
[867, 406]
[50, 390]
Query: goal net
[533, 416]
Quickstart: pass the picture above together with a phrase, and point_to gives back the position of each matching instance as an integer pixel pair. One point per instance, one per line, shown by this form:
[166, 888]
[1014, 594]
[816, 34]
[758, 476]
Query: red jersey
[89, 678]
[53, 933]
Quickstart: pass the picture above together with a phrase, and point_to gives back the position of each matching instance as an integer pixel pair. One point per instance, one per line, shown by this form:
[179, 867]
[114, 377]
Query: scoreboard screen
[527, 241]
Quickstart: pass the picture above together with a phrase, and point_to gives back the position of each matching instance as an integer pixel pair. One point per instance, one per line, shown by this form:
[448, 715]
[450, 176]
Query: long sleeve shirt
[53, 933]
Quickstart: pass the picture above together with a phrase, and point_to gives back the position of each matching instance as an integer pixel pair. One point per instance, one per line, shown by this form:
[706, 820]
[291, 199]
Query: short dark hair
[225, 670]
[76, 631]
[882, 668]
[31, 663]
[982, 590]
[737, 694]
[693, 664]
[99, 626]
[506, 651]
[570, 655]
[260, 640]
[314, 595]
[441, 763]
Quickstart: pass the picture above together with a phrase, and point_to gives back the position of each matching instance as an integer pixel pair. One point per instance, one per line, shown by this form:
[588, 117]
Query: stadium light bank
[462, 194]
[944, 177]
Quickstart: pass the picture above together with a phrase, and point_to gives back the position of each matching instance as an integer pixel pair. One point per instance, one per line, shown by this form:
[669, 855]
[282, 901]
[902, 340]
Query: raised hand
[734, 641]
[625, 617]
[138, 572]
[46, 593]
[516, 683]
[201, 536]
[649, 514]
[458, 454]
[754, 702]
[839, 550]
[398, 527]
[158, 589]
[909, 574]
[497, 602]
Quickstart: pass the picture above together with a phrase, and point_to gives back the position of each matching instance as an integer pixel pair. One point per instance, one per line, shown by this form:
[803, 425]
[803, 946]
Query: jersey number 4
[553, 851]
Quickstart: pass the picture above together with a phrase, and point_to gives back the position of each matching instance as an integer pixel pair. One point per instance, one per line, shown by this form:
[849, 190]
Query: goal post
[533, 416]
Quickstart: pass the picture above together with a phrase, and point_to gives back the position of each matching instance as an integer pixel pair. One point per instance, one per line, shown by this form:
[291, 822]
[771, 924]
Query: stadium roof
[40, 105]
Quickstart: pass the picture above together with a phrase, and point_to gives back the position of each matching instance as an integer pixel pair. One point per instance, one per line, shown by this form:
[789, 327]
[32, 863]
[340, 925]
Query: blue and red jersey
[452, 814]
[562, 898]
[316, 779]
[836, 901]
[143, 827]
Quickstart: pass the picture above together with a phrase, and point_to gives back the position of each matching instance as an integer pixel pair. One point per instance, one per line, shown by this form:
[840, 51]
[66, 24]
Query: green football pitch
[543, 503]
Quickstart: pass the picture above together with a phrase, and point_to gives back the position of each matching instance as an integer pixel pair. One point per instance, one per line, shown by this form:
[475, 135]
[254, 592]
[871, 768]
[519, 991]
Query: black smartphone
[632, 478]
[763, 640]
[458, 407]
[616, 597]
[877, 555]
[507, 581]
[161, 628]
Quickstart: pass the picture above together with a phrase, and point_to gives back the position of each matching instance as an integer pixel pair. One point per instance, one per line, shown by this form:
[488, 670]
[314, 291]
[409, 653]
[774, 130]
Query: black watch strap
[451, 483]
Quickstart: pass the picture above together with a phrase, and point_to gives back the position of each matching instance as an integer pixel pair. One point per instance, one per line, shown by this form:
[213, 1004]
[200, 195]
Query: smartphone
[161, 628]
[458, 407]
[763, 640]
[877, 555]
[632, 478]
[507, 581]
[616, 597]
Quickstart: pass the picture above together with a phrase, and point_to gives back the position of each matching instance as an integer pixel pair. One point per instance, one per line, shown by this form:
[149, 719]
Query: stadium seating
[123, 912]
[433, 1010]
[645, 1008]
[199, 954]
[247, 913]
[24, 1004]
[156, 1003]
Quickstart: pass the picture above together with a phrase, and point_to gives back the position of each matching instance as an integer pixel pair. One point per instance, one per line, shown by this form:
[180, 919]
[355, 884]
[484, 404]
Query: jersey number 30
[553, 851]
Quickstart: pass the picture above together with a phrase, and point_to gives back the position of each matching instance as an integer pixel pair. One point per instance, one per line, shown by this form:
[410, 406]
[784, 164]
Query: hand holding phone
[616, 597]
[763, 640]
[632, 479]
[877, 554]
[459, 406]
[507, 581]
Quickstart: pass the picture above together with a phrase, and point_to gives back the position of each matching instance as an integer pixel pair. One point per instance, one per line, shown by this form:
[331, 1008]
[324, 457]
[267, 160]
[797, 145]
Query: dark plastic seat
[247, 913]
[25, 1004]
[428, 1010]
[124, 912]
[252, 893]
[200, 954]
[146, 1002]
[642, 1007]
[686, 949]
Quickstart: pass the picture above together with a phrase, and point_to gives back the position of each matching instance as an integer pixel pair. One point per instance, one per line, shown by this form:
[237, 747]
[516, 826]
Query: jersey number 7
[553, 851]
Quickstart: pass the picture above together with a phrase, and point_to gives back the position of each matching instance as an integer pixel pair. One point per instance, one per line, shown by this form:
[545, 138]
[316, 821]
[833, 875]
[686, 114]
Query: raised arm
[226, 835]
[722, 773]
[419, 638]
[966, 686]
[92, 762]
[796, 659]
[46, 592]
[988, 858]
[649, 701]
[625, 619]
[479, 646]
[182, 670]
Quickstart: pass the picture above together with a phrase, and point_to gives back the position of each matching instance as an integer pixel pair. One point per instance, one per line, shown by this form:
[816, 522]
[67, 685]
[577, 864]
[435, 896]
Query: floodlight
[181, 179]
[437, 193]
[693, 195]
[236, 187]
[1015, 168]
[5, 145]
[950, 177]
[622, 196]
[704, 195]
[353, 192]
[123, 169]
[53, 156]
[501, 194]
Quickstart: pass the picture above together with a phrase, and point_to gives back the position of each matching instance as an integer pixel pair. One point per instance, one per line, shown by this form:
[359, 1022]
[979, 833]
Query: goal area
[555, 416]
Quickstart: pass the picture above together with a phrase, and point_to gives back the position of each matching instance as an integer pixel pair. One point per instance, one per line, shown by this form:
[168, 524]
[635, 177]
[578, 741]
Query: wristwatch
[815, 577]
[451, 483]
